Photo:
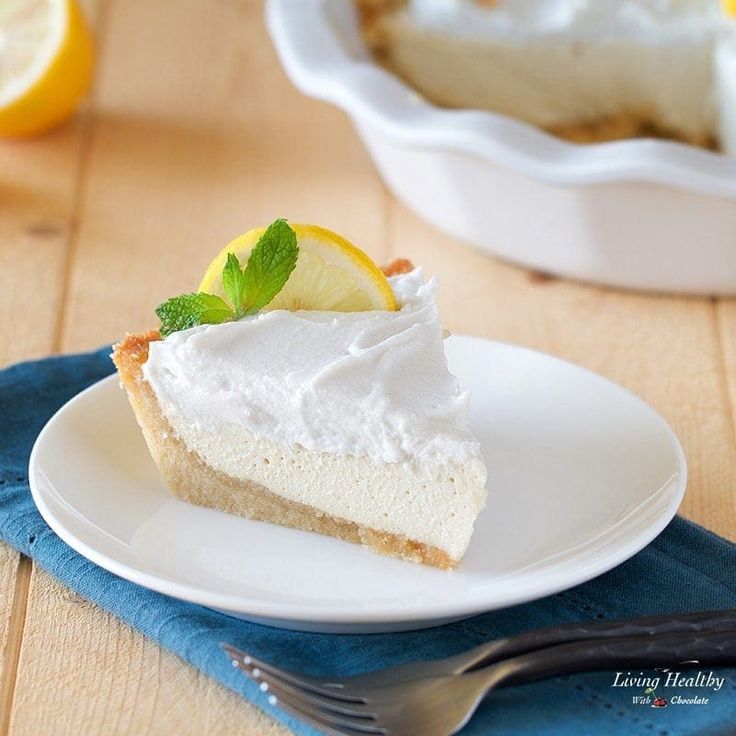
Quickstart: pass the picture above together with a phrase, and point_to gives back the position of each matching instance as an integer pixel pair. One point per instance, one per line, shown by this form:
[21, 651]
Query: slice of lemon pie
[319, 398]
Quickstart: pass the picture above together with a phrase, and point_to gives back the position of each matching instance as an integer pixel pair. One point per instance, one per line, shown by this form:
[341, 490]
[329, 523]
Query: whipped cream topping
[363, 383]
[648, 20]
[568, 63]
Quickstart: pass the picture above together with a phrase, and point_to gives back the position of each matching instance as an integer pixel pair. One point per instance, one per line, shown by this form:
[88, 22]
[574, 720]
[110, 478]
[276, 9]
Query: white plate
[582, 474]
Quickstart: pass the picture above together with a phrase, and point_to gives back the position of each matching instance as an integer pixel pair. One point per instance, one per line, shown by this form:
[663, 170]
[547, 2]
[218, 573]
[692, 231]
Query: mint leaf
[233, 281]
[189, 310]
[269, 265]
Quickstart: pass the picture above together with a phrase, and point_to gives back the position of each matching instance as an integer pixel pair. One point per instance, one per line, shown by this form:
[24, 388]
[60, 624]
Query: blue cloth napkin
[685, 569]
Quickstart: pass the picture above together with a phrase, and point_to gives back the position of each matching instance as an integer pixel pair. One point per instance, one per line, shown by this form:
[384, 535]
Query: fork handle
[530, 641]
[680, 650]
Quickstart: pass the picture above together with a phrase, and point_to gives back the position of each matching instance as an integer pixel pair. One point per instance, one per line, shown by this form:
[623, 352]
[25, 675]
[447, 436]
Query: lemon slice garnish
[730, 7]
[331, 274]
[45, 64]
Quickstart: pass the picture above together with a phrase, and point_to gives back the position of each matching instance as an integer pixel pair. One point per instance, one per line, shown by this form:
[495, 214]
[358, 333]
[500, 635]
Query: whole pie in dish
[586, 70]
[342, 420]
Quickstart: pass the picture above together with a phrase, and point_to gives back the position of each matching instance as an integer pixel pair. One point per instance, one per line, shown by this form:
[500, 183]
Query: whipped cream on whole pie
[345, 423]
[586, 69]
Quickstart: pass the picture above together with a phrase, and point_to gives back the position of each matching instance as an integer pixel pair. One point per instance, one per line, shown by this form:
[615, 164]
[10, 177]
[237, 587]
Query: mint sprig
[233, 281]
[269, 265]
[188, 310]
[249, 290]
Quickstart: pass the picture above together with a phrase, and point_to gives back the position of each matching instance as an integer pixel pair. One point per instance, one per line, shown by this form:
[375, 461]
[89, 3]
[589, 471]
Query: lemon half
[331, 274]
[46, 63]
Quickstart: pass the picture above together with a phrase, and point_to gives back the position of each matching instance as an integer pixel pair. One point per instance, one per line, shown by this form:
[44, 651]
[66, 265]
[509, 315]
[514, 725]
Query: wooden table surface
[192, 134]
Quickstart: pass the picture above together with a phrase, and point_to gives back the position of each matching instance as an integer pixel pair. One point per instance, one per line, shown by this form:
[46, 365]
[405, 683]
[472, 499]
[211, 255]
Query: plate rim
[289, 613]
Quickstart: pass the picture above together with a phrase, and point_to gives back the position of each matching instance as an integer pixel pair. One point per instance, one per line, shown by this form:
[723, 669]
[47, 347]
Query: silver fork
[441, 705]
[498, 649]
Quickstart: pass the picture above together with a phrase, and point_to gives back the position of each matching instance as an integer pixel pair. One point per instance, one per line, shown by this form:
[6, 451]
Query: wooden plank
[665, 349]
[37, 216]
[14, 576]
[186, 152]
[726, 326]
[725, 317]
[85, 673]
[40, 180]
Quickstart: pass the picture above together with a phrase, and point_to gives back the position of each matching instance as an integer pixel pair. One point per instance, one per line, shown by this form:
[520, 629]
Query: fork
[493, 651]
[442, 705]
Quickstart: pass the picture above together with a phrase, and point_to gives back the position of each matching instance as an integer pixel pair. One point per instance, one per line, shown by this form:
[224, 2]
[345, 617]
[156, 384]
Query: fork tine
[341, 724]
[356, 710]
[319, 724]
[306, 704]
[300, 681]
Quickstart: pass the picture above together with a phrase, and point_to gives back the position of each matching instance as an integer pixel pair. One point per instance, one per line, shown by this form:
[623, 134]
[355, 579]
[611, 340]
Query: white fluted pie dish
[642, 213]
